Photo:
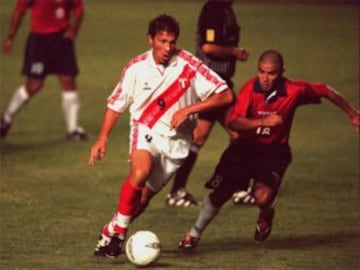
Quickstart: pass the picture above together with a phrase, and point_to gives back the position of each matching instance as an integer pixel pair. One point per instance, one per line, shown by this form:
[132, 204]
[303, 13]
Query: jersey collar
[280, 88]
[152, 63]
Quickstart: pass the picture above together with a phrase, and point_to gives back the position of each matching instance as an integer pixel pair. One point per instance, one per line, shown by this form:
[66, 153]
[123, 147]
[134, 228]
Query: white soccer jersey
[154, 92]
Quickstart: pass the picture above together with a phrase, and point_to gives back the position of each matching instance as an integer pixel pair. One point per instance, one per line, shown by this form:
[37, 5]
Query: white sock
[18, 100]
[70, 105]
[206, 215]
[118, 225]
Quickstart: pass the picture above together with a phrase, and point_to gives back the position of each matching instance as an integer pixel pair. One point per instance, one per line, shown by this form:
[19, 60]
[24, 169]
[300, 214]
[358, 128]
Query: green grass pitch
[52, 204]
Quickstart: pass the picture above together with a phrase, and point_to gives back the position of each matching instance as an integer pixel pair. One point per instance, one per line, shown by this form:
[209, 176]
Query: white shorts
[168, 153]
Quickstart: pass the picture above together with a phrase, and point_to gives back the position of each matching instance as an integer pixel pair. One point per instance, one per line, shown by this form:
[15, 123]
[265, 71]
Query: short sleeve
[122, 95]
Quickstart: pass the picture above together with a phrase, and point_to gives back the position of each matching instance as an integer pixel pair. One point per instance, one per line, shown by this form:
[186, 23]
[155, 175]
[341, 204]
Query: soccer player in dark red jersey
[49, 49]
[262, 116]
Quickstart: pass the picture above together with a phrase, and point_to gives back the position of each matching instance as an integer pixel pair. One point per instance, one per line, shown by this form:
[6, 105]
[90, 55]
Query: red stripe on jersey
[112, 99]
[50, 16]
[171, 95]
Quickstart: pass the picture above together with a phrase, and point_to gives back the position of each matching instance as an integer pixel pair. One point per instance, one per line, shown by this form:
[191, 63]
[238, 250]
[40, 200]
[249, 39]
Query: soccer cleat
[181, 198]
[4, 127]
[78, 134]
[109, 246]
[264, 225]
[189, 242]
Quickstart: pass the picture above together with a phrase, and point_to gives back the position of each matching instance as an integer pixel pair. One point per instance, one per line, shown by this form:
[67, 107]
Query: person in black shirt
[217, 40]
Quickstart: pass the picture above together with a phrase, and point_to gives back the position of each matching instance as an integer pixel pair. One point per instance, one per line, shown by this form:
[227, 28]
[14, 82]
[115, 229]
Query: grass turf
[53, 205]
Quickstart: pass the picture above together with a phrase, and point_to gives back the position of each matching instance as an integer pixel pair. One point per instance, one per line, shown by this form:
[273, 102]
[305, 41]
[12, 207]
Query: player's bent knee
[138, 177]
[263, 194]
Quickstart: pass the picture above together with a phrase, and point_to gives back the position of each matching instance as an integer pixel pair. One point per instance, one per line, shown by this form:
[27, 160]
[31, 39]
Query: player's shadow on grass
[293, 242]
[313, 240]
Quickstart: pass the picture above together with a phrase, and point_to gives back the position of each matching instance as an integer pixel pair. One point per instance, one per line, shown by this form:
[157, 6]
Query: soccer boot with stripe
[264, 225]
[189, 242]
[78, 134]
[243, 197]
[181, 198]
[4, 127]
[109, 246]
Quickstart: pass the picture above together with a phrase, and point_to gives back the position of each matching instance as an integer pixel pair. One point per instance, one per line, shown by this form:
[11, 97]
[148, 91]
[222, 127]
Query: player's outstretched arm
[98, 149]
[336, 98]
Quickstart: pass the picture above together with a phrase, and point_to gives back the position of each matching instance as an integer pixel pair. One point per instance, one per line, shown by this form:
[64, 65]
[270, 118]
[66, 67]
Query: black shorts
[219, 114]
[243, 161]
[49, 54]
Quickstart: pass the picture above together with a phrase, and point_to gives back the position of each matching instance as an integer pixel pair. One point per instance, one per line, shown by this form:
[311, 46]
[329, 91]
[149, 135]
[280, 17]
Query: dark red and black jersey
[49, 16]
[253, 103]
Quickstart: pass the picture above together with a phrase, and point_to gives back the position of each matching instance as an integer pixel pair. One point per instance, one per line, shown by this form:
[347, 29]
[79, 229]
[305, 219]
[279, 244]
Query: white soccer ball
[143, 248]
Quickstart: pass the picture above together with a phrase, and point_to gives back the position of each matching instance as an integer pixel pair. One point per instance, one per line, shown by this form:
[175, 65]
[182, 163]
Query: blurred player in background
[164, 89]
[49, 49]
[262, 116]
[217, 40]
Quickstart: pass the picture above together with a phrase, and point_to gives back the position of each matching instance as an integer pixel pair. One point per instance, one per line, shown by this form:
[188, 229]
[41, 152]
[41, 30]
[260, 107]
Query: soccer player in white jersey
[164, 88]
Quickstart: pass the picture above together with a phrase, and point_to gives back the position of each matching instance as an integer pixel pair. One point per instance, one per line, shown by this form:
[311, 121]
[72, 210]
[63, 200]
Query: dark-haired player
[262, 116]
[49, 49]
[164, 88]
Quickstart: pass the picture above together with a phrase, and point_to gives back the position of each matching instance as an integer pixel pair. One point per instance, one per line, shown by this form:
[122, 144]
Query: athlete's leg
[200, 135]
[131, 190]
[71, 105]
[113, 234]
[211, 207]
[22, 95]
[263, 194]
[212, 204]
[243, 196]
[146, 195]
[265, 199]
[228, 176]
[67, 82]
[19, 99]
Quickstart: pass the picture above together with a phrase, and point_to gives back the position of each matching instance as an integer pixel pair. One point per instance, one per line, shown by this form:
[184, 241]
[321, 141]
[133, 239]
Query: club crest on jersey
[146, 87]
[184, 83]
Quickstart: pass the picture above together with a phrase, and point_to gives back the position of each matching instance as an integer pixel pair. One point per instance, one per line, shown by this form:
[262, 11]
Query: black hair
[166, 23]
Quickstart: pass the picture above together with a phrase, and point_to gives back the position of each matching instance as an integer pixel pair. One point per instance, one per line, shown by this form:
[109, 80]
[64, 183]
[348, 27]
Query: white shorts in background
[168, 153]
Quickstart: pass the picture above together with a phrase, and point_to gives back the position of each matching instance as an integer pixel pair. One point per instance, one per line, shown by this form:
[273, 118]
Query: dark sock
[183, 172]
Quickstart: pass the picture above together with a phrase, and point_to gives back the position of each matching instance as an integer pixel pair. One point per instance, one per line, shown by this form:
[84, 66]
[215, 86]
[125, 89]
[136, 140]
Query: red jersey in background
[49, 16]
